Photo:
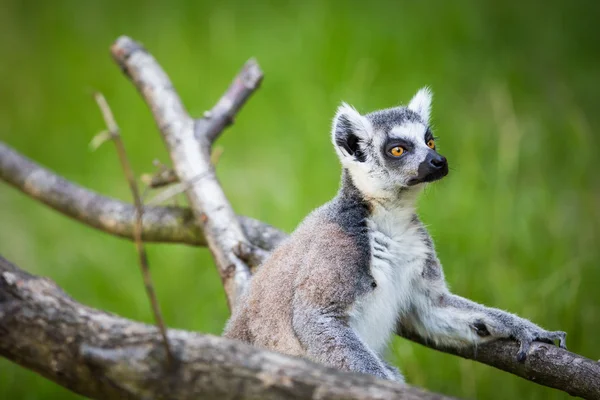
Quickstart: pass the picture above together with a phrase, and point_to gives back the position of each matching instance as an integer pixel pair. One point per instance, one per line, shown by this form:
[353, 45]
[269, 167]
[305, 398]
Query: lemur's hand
[527, 335]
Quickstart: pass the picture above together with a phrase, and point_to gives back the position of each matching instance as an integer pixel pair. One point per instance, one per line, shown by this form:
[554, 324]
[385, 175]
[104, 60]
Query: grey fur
[355, 267]
[432, 270]
[385, 120]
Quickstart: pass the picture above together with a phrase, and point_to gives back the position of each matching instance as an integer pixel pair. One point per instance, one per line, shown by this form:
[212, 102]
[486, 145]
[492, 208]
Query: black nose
[433, 167]
[438, 162]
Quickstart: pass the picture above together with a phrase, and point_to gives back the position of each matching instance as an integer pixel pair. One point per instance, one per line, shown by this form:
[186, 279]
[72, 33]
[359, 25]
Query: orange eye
[431, 144]
[397, 151]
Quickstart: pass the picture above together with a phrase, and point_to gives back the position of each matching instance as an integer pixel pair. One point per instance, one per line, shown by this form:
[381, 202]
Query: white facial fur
[374, 173]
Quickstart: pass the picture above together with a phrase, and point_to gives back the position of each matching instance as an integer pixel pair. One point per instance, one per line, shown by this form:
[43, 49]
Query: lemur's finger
[522, 354]
[562, 339]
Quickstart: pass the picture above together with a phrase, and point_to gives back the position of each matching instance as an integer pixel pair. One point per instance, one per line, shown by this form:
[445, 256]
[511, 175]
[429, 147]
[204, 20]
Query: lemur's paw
[552, 337]
[525, 339]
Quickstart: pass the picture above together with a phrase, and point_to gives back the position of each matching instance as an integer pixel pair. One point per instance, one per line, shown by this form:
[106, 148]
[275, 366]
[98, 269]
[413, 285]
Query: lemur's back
[263, 315]
[303, 262]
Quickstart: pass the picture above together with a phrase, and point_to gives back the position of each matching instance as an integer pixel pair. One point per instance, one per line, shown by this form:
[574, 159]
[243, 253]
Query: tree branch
[545, 364]
[103, 356]
[189, 144]
[160, 224]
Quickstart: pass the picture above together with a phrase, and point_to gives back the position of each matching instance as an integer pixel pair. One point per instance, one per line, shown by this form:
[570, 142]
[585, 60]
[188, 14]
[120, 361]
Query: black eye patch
[405, 144]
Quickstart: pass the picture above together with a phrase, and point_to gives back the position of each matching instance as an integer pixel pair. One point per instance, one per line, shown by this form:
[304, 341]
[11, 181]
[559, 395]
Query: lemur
[363, 266]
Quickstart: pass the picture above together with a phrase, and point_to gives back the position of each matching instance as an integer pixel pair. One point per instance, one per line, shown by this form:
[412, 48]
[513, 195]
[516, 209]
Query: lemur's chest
[398, 251]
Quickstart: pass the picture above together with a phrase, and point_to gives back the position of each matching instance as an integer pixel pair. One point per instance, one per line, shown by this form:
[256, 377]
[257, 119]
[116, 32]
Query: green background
[516, 222]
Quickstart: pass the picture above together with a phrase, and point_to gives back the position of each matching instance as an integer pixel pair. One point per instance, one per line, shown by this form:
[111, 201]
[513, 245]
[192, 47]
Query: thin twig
[115, 135]
[174, 190]
[161, 178]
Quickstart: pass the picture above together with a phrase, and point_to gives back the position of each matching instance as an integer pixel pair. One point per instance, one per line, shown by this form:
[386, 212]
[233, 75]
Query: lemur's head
[388, 150]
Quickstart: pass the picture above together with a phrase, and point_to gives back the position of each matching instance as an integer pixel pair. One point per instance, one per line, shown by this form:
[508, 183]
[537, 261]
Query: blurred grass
[516, 222]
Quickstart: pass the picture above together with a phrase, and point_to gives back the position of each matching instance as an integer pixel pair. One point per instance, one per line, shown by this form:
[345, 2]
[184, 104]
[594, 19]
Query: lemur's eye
[397, 151]
[431, 144]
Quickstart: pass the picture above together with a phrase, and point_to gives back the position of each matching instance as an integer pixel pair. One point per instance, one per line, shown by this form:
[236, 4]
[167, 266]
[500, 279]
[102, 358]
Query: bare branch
[160, 224]
[189, 143]
[223, 113]
[546, 364]
[115, 134]
[103, 356]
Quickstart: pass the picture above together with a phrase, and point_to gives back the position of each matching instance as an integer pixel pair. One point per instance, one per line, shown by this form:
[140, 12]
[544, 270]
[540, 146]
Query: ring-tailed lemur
[363, 265]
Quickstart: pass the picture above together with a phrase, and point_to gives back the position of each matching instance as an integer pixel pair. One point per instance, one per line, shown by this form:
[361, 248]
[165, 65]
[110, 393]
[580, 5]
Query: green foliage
[516, 222]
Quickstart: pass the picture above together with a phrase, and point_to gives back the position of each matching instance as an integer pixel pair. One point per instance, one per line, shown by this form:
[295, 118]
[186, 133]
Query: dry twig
[166, 176]
[115, 136]
[163, 177]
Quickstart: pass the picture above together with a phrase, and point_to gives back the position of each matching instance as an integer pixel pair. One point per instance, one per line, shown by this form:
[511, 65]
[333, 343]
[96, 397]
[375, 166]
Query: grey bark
[546, 364]
[160, 224]
[189, 144]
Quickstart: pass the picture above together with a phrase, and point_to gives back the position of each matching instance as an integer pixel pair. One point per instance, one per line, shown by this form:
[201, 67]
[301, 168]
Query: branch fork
[189, 144]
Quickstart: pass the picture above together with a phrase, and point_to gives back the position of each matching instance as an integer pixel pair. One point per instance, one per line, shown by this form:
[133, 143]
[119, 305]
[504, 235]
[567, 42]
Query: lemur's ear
[349, 130]
[421, 103]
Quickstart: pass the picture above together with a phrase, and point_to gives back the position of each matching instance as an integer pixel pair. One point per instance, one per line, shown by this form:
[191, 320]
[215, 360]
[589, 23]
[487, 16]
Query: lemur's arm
[328, 339]
[455, 321]
[323, 297]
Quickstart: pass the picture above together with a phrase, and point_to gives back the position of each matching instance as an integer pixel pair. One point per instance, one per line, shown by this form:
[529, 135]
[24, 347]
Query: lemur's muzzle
[434, 167]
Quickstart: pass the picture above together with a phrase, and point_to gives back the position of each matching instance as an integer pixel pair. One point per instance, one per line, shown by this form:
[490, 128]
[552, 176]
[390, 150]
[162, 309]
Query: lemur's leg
[453, 320]
[328, 339]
